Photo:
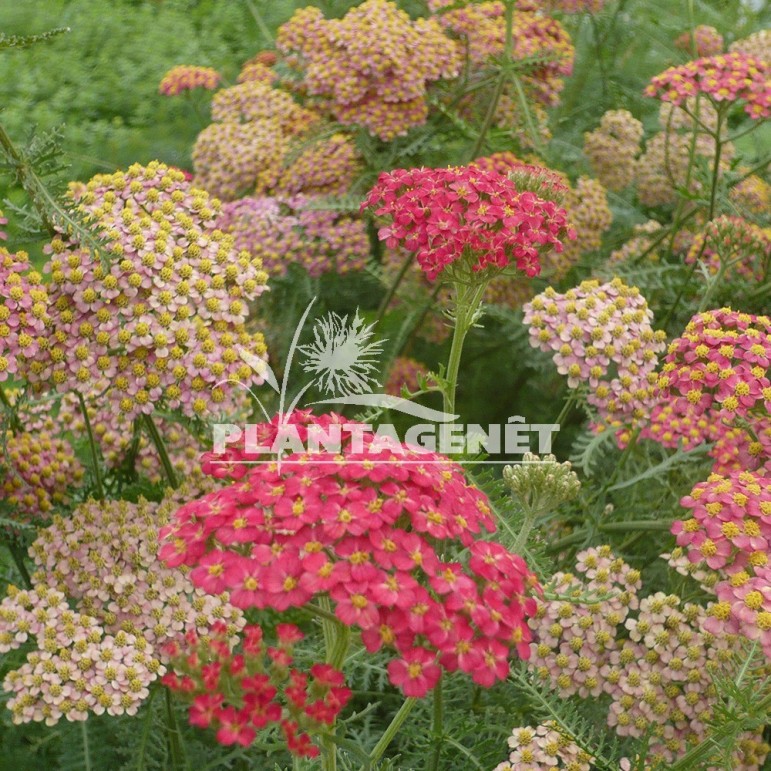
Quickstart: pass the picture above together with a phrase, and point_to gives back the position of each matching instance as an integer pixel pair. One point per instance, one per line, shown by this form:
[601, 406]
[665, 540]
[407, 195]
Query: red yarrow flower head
[466, 217]
[388, 536]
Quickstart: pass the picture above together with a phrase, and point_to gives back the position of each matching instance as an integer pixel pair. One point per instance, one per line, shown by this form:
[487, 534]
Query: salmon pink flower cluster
[289, 230]
[389, 534]
[741, 247]
[730, 533]
[76, 667]
[612, 148]
[238, 693]
[38, 471]
[703, 40]
[542, 747]
[186, 77]
[23, 313]
[466, 215]
[718, 366]
[601, 336]
[370, 68]
[159, 313]
[730, 77]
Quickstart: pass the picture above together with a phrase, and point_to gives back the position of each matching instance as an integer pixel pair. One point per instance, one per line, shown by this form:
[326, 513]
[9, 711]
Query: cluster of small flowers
[758, 45]
[752, 194]
[541, 180]
[742, 447]
[327, 166]
[466, 216]
[658, 674]
[544, 747]
[237, 694]
[405, 373]
[161, 322]
[574, 638]
[730, 77]
[76, 667]
[601, 335]
[730, 534]
[612, 148]
[701, 41]
[23, 313]
[737, 245]
[718, 366]
[186, 77]
[38, 470]
[104, 558]
[259, 68]
[641, 241]
[365, 527]
[372, 66]
[482, 27]
[590, 215]
[541, 484]
[282, 231]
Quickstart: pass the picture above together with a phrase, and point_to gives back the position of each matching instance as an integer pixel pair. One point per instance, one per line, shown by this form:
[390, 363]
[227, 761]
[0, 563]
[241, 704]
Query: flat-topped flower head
[187, 77]
[613, 147]
[159, 313]
[389, 534]
[702, 40]
[732, 77]
[466, 217]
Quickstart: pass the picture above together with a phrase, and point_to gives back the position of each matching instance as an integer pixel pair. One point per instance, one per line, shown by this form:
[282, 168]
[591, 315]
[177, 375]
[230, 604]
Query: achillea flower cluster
[737, 245]
[466, 216]
[742, 447]
[590, 216]
[601, 335]
[543, 747]
[753, 194]
[374, 528]
[186, 77]
[76, 668]
[370, 68]
[718, 366]
[541, 180]
[731, 77]
[758, 45]
[38, 472]
[240, 693]
[23, 313]
[652, 656]
[701, 41]
[405, 374]
[104, 559]
[259, 68]
[245, 145]
[640, 242]
[482, 27]
[282, 231]
[160, 316]
[326, 166]
[613, 147]
[730, 533]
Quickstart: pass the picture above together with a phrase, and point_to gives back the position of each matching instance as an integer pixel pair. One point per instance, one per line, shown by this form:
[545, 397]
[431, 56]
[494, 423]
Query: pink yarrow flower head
[388, 533]
[732, 77]
[240, 687]
[466, 218]
[703, 40]
[187, 77]
[159, 313]
[601, 335]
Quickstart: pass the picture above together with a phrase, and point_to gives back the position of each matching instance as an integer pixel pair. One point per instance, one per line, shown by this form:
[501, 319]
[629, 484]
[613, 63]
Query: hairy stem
[438, 725]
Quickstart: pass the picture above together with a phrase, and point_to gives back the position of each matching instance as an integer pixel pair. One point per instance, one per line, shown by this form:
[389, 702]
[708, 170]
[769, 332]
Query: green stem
[178, 759]
[393, 728]
[386, 301]
[18, 559]
[527, 525]
[92, 445]
[148, 722]
[260, 22]
[438, 725]
[13, 416]
[157, 440]
[632, 526]
[86, 749]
